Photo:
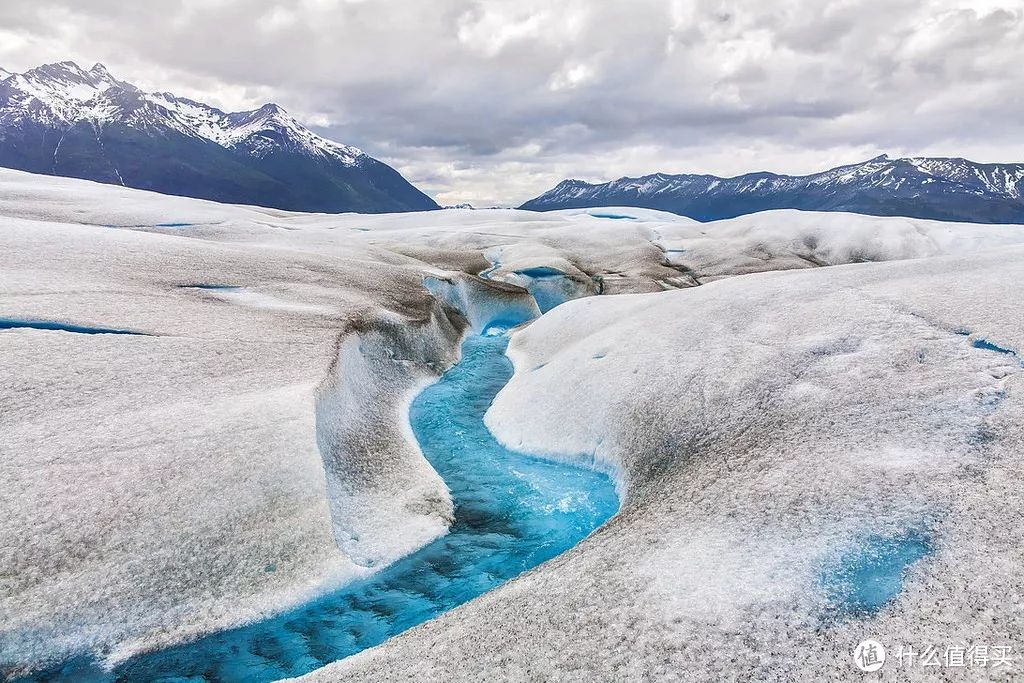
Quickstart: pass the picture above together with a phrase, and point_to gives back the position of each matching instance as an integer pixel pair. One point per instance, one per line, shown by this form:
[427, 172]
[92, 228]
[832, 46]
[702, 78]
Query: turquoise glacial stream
[512, 512]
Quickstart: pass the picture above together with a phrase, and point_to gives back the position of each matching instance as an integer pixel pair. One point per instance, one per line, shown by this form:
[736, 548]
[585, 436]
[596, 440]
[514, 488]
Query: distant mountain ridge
[949, 189]
[60, 119]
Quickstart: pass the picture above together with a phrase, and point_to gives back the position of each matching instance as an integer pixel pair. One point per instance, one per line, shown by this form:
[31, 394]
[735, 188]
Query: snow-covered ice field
[807, 456]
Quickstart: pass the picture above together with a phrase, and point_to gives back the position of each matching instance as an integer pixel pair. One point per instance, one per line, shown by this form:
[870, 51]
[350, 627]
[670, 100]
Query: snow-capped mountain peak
[62, 119]
[270, 127]
[65, 94]
[100, 72]
[923, 187]
[58, 93]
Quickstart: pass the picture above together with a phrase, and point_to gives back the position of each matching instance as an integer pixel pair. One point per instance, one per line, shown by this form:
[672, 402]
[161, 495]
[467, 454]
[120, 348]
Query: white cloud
[572, 76]
[276, 19]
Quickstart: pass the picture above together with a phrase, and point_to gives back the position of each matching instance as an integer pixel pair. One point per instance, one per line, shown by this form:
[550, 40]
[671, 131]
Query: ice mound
[788, 239]
[385, 499]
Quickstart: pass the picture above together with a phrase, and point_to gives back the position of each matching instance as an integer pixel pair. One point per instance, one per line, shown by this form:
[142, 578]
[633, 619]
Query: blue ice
[614, 216]
[502, 324]
[549, 286]
[16, 324]
[512, 512]
[989, 346]
[541, 272]
[213, 287]
[866, 578]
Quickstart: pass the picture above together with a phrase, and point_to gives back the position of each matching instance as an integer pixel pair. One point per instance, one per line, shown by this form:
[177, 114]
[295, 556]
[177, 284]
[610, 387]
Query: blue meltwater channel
[512, 512]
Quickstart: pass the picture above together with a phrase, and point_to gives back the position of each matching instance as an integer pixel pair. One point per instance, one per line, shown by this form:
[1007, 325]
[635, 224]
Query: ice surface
[789, 239]
[870, 575]
[512, 512]
[548, 286]
[778, 434]
[377, 480]
[486, 305]
[243, 459]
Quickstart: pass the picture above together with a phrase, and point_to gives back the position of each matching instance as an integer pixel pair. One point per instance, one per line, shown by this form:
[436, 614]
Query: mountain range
[60, 119]
[949, 189]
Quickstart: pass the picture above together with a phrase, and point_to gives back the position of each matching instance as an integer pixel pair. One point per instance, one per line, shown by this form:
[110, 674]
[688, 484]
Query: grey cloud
[492, 100]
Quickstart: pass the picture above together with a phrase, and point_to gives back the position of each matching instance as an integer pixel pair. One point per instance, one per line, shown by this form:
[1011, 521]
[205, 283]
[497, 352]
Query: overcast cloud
[492, 102]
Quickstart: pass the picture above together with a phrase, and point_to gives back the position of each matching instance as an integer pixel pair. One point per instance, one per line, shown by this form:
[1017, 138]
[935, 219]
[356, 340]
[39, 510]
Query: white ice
[255, 450]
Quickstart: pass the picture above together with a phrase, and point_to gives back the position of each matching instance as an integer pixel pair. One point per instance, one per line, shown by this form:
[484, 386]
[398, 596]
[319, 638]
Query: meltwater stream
[512, 512]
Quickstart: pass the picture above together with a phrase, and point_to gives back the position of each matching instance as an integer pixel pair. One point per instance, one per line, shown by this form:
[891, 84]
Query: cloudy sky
[494, 101]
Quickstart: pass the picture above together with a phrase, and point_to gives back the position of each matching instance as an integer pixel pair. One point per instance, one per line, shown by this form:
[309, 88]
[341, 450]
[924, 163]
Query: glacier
[513, 512]
[795, 407]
